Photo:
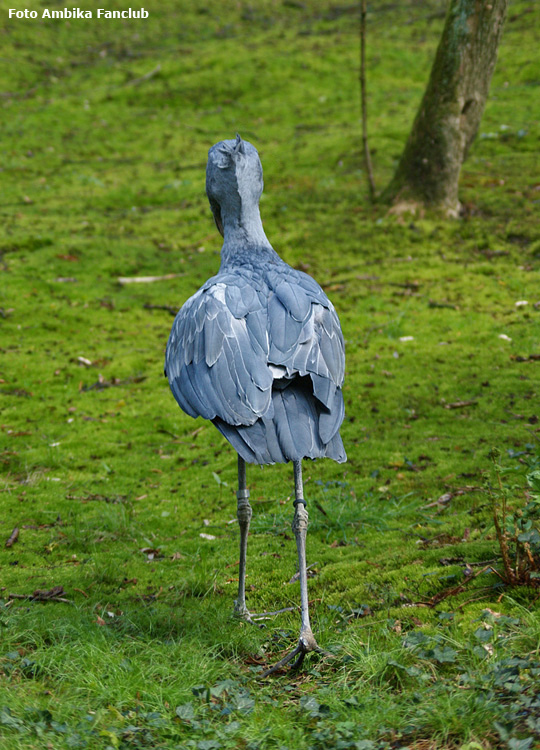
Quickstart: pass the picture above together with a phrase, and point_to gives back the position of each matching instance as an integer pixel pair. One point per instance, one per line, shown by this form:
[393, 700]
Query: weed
[517, 528]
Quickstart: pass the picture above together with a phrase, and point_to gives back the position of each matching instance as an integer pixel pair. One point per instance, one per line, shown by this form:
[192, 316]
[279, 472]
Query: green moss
[104, 177]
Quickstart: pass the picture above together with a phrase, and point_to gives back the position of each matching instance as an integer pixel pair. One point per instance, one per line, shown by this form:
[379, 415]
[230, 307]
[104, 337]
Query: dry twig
[169, 308]
[145, 77]
[455, 590]
[13, 538]
[42, 595]
[123, 280]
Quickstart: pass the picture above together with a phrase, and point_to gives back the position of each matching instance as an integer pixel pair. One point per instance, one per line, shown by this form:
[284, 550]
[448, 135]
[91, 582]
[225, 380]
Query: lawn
[125, 507]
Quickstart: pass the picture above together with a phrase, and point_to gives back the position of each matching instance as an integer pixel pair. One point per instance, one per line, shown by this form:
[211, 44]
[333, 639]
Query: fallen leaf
[442, 500]
[310, 573]
[460, 404]
[151, 553]
[530, 358]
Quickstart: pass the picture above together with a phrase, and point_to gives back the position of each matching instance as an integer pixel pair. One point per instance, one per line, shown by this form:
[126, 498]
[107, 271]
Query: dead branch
[123, 280]
[367, 155]
[42, 595]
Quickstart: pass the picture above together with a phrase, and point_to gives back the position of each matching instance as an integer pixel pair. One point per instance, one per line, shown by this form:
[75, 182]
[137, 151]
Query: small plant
[221, 484]
[517, 529]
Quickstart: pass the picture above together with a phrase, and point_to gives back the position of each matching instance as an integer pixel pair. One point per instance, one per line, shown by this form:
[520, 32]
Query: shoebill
[259, 351]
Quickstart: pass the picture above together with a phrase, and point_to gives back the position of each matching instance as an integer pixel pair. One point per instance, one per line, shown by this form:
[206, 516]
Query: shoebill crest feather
[259, 351]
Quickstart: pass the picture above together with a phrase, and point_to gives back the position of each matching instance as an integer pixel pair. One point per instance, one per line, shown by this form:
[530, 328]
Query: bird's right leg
[306, 642]
[243, 513]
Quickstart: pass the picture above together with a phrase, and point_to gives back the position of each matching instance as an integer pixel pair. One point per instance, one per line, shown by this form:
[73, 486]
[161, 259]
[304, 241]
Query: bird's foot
[246, 616]
[243, 613]
[306, 643]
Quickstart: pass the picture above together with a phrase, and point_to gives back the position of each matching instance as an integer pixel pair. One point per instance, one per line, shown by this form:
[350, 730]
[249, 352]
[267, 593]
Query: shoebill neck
[242, 227]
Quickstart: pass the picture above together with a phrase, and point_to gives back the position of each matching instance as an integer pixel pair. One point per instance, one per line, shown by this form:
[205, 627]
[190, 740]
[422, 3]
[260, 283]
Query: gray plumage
[258, 349]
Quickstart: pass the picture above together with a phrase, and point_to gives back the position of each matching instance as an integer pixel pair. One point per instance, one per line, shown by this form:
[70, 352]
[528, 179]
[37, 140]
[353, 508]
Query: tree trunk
[451, 109]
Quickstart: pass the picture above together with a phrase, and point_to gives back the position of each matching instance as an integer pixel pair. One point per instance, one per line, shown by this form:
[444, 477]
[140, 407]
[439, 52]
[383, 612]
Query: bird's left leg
[244, 513]
[306, 642]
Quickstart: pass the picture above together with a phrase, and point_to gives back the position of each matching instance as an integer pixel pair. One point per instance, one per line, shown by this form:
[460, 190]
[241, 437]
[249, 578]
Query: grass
[110, 485]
